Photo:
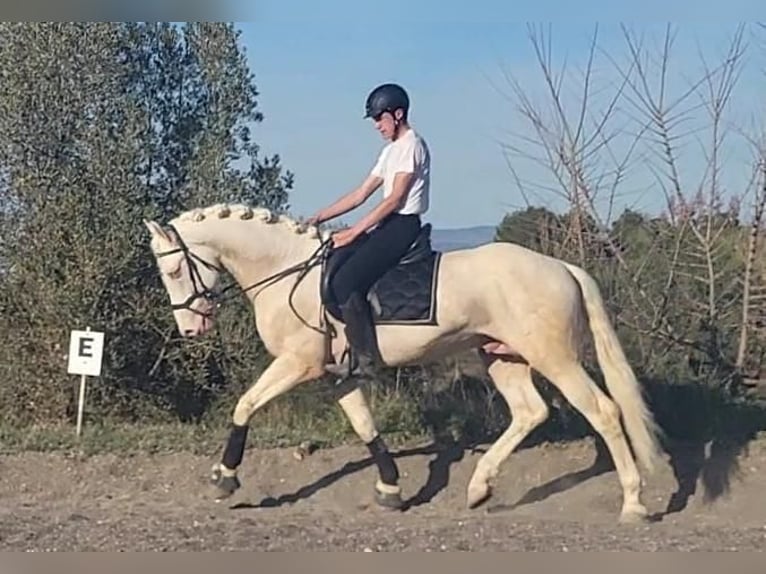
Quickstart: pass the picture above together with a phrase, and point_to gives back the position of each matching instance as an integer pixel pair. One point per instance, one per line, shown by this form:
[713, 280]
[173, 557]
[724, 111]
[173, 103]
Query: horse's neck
[260, 252]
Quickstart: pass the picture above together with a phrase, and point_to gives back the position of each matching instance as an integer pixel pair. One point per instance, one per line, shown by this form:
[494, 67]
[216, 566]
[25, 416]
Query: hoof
[478, 494]
[635, 516]
[388, 496]
[225, 485]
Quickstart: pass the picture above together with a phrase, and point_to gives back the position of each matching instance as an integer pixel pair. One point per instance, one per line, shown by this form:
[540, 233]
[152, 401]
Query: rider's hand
[344, 237]
[315, 219]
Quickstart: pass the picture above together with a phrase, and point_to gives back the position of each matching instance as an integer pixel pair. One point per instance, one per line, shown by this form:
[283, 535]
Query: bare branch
[752, 248]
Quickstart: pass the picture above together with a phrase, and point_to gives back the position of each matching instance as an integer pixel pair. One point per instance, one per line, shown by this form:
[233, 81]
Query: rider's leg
[382, 249]
[363, 353]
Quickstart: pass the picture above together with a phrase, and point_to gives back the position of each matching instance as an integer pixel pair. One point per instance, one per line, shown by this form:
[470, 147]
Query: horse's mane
[246, 212]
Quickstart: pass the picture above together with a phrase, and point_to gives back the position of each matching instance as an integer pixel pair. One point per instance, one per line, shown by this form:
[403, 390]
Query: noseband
[200, 289]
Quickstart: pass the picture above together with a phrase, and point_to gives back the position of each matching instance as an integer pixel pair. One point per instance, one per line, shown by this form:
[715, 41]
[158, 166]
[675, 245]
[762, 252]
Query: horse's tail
[621, 382]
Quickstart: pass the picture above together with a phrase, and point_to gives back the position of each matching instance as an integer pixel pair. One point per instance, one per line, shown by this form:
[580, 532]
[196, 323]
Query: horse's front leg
[351, 399]
[284, 373]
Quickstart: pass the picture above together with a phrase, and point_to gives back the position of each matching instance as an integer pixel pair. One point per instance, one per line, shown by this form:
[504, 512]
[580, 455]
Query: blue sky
[314, 63]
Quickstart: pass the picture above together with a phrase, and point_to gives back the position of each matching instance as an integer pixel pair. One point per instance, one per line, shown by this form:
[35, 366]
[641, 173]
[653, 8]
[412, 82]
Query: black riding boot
[363, 353]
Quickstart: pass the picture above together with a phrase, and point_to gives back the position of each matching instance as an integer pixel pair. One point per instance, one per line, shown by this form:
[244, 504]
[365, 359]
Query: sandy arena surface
[546, 497]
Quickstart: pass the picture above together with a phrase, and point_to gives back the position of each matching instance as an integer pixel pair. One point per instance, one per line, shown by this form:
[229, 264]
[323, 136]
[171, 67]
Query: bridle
[203, 291]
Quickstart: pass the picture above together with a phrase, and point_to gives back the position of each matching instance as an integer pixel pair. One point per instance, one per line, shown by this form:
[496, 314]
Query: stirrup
[352, 364]
[347, 365]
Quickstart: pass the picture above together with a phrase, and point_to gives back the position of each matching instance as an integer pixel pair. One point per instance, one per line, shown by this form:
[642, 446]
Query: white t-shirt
[409, 153]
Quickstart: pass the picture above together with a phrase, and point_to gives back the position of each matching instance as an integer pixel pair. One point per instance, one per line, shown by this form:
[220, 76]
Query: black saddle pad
[405, 294]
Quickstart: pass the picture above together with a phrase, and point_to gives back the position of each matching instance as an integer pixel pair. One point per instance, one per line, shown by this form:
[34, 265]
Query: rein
[203, 291]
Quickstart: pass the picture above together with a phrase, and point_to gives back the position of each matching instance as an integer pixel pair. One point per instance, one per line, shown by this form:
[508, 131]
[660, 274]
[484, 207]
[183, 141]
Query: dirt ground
[548, 497]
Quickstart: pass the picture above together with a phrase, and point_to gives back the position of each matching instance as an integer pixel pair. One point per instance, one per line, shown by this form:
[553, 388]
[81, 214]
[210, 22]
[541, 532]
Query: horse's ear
[156, 229]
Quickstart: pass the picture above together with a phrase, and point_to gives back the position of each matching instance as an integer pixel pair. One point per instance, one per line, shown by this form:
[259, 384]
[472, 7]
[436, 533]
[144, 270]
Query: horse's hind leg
[528, 410]
[604, 415]
[354, 404]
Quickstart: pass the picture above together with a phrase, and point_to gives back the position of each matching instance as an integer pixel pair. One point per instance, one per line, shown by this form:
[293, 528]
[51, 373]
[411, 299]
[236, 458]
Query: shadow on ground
[706, 435]
[447, 452]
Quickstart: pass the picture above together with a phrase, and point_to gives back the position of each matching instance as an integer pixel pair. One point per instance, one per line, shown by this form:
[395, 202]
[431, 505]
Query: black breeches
[372, 254]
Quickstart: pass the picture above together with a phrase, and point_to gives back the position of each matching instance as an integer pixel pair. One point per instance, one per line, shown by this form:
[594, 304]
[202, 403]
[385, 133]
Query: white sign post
[86, 348]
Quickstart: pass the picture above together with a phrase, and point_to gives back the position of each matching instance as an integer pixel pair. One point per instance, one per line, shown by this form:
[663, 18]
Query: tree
[686, 284]
[534, 227]
[103, 124]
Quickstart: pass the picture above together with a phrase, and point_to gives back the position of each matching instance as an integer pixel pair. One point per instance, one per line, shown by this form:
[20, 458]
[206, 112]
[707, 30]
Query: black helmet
[386, 98]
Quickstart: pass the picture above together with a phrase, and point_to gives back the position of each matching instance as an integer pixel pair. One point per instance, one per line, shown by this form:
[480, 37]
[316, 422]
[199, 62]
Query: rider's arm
[402, 163]
[352, 199]
[401, 186]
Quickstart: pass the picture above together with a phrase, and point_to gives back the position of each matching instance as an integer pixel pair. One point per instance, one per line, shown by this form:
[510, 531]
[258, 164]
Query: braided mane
[246, 212]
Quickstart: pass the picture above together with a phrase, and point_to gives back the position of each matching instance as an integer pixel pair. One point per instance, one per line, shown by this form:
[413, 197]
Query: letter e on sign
[85, 352]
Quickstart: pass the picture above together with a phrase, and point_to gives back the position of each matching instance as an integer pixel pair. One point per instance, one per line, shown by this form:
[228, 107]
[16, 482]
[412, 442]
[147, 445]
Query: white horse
[521, 310]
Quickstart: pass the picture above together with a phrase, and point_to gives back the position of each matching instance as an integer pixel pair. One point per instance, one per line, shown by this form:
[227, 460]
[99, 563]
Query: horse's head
[190, 277]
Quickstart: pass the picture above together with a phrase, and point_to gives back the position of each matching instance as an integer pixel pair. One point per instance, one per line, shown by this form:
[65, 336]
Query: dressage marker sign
[86, 349]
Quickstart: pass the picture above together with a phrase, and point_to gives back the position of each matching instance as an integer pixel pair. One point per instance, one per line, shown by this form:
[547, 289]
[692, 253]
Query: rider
[380, 238]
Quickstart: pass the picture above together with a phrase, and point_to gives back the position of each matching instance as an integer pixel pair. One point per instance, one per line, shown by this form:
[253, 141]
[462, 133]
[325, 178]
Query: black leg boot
[363, 354]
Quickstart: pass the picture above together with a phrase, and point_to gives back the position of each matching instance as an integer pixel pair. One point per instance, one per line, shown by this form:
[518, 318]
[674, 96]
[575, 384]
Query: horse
[517, 308]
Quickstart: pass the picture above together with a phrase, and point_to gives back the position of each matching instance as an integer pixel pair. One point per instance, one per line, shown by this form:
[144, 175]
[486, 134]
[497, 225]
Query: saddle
[405, 294]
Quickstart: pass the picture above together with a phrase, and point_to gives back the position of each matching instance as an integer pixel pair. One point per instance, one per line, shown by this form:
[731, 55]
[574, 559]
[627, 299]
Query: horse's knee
[243, 410]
